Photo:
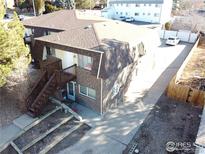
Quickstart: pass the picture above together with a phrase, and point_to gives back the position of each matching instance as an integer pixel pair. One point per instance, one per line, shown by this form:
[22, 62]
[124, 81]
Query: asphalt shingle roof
[60, 20]
[81, 32]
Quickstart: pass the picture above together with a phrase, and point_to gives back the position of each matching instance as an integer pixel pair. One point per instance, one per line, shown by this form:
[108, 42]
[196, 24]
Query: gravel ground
[9, 150]
[169, 121]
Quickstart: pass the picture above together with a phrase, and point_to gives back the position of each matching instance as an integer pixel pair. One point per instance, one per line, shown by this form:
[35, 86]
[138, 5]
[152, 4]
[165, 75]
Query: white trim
[74, 94]
[86, 92]
[69, 46]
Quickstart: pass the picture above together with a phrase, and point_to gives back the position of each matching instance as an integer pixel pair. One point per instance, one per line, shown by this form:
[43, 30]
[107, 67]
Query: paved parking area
[113, 132]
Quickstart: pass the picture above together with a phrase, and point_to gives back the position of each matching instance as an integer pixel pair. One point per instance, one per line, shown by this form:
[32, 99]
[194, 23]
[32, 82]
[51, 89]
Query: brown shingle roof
[60, 20]
[80, 31]
[82, 37]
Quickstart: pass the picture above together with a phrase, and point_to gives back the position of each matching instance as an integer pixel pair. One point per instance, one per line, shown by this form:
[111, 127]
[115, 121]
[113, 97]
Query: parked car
[122, 18]
[172, 40]
[129, 19]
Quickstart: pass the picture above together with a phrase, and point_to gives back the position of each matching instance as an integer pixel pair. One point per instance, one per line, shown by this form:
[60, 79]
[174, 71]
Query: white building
[9, 4]
[153, 11]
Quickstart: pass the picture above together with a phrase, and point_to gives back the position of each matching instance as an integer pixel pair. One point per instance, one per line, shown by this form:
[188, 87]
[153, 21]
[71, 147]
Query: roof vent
[88, 27]
[104, 25]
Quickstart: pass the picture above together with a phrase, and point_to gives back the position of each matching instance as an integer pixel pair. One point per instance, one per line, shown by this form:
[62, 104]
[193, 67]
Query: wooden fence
[185, 94]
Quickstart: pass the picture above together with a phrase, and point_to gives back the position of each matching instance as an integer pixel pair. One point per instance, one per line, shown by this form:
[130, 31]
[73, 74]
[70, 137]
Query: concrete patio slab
[95, 144]
[8, 133]
[23, 121]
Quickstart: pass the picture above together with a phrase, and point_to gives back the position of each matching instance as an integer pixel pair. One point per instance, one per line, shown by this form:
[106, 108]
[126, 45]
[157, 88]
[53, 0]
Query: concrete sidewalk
[112, 133]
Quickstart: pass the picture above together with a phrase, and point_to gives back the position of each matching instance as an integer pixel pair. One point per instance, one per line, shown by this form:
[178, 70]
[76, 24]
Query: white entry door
[71, 90]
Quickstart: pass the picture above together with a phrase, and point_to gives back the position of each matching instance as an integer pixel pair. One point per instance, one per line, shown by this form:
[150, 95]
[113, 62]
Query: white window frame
[94, 98]
[80, 57]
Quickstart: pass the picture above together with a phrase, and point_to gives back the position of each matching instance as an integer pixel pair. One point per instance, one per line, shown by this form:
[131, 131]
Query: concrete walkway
[112, 133]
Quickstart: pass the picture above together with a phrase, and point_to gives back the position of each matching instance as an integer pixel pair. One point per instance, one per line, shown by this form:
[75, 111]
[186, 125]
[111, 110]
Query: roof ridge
[96, 36]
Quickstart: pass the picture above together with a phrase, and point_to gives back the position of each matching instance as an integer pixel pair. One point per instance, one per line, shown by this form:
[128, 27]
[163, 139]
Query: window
[89, 92]
[83, 90]
[156, 14]
[121, 13]
[137, 5]
[156, 5]
[116, 12]
[148, 14]
[127, 5]
[136, 14]
[121, 4]
[150, 4]
[85, 62]
[117, 4]
[126, 13]
[143, 14]
[144, 4]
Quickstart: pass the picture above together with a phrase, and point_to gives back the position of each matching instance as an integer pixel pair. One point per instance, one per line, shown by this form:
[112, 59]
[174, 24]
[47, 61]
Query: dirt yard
[10, 100]
[168, 121]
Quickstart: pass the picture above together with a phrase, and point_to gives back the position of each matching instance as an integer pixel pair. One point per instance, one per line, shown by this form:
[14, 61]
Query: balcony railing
[66, 75]
[70, 70]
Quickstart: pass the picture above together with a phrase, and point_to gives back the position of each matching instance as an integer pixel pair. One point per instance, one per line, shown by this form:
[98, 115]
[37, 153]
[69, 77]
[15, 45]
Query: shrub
[167, 25]
[50, 8]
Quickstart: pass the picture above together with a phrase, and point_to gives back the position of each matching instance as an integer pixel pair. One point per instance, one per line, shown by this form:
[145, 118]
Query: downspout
[101, 99]
[101, 84]
[99, 65]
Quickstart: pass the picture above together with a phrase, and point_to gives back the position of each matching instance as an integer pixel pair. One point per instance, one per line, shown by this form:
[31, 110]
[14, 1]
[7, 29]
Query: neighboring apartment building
[153, 11]
[10, 4]
[105, 53]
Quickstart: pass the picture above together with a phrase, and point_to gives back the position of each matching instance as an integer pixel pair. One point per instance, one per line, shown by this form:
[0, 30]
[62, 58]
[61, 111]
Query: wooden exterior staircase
[49, 82]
